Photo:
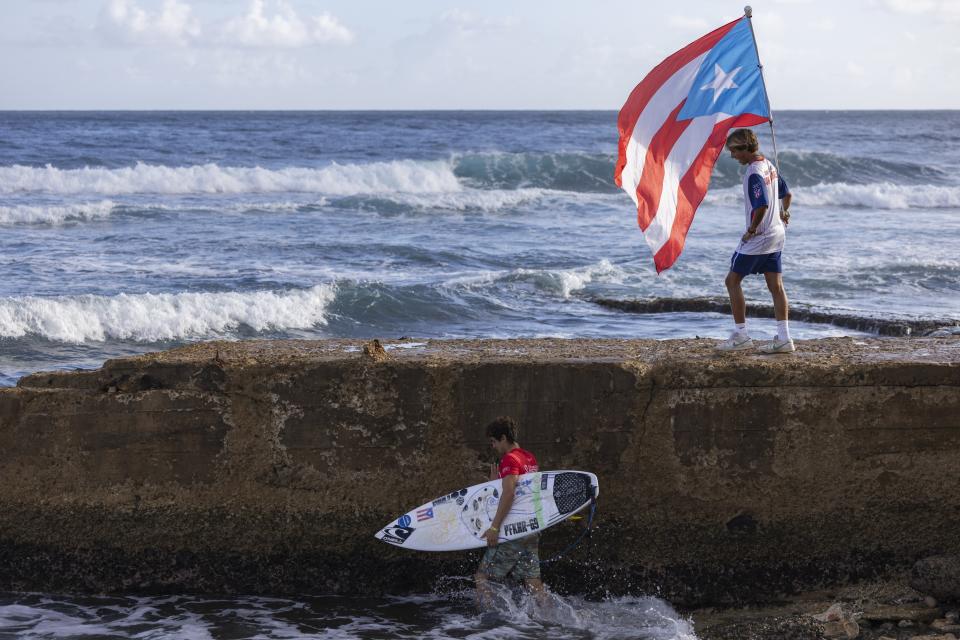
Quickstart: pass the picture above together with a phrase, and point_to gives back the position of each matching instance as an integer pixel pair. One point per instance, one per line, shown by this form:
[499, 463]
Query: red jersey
[518, 462]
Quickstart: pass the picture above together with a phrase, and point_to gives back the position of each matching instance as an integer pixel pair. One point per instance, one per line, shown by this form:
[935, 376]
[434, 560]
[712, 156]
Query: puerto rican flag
[424, 514]
[674, 125]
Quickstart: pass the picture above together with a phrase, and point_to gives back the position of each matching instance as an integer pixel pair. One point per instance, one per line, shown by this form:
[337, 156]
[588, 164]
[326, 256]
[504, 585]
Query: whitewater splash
[336, 618]
[152, 317]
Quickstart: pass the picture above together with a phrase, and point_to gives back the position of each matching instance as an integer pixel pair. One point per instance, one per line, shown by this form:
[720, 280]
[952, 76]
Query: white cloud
[944, 9]
[855, 69]
[824, 24]
[273, 25]
[283, 29]
[689, 24]
[911, 6]
[902, 77]
[124, 21]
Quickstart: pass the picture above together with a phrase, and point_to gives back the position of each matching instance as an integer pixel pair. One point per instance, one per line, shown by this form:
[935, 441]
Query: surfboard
[457, 520]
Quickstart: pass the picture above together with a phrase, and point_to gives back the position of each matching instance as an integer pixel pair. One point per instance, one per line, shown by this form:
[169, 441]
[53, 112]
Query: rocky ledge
[265, 467]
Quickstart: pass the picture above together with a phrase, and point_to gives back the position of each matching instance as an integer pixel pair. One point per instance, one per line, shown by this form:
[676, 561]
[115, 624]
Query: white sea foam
[55, 214]
[164, 316]
[562, 282]
[331, 618]
[470, 199]
[880, 195]
[404, 176]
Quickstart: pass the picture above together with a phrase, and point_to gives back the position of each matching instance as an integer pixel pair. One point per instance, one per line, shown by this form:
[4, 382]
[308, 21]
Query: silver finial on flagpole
[748, 11]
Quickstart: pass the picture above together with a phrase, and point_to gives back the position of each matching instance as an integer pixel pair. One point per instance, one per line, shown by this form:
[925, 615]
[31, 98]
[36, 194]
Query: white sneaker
[736, 342]
[778, 346]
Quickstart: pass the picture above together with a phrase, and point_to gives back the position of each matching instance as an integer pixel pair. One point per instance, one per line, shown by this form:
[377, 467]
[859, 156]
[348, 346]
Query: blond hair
[745, 139]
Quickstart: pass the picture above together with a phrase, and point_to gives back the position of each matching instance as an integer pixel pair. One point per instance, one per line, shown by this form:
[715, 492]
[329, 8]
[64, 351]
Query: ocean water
[138, 231]
[129, 232]
[449, 615]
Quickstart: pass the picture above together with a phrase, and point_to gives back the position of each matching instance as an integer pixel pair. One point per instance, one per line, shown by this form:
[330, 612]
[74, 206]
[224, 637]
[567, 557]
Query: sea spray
[450, 614]
[164, 316]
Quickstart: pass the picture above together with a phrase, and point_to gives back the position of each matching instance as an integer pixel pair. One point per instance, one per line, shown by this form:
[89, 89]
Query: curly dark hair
[744, 139]
[503, 426]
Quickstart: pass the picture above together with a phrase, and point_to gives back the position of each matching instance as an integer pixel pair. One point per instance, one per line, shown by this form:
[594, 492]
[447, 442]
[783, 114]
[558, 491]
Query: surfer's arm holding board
[492, 535]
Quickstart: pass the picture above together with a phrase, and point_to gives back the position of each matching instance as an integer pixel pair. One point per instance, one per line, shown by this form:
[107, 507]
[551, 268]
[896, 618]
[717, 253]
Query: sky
[435, 54]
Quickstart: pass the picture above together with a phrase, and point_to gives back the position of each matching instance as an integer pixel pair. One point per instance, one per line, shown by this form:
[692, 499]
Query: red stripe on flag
[641, 94]
[693, 187]
[650, 186]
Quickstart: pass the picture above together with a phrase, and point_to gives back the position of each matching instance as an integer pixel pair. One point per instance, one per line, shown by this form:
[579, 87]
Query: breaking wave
[807, 168]
[487, 201]
[882, 195]
[55, 214]
[561, 282]
[580, 172]
[586, 172]
[152, 317]
[406, 176]
[558, 171]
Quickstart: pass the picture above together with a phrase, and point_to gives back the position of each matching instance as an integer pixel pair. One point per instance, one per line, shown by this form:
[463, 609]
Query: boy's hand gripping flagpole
[748, 12]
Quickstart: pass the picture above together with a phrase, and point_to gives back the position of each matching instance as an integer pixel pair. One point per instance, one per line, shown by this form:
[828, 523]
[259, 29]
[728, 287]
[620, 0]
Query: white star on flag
[721, 81]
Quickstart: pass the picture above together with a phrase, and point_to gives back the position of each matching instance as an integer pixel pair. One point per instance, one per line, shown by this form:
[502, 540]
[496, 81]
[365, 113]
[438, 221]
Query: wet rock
[776, 628]
[270, 463]
[901, 613]
[375, 351]
[743, 523]
[833, 614]
[844, 629]
[938, 576]
[943, 332]
[946, 626]
[946, 636]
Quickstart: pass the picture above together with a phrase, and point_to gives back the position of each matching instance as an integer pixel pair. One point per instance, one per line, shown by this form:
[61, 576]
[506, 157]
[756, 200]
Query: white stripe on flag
[651, 119]
[684, 152]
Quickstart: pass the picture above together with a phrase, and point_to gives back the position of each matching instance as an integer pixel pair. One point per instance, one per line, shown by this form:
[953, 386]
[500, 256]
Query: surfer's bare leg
[539, 591]
[484, 593]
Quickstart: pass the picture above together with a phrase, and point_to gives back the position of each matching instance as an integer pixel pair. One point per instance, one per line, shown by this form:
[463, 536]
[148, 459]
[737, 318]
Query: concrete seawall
[267, 466]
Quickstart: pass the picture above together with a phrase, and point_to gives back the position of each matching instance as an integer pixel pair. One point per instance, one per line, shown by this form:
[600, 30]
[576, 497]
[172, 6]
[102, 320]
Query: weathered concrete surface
[267, 466]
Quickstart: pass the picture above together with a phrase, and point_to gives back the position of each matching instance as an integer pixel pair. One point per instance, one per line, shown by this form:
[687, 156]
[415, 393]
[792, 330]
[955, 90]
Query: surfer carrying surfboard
[520, 558]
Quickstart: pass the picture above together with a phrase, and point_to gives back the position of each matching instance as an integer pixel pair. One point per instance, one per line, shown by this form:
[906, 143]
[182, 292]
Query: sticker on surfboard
[458, 519]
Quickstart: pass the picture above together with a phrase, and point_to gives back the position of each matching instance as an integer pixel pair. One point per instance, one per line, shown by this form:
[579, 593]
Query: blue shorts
[745, 264]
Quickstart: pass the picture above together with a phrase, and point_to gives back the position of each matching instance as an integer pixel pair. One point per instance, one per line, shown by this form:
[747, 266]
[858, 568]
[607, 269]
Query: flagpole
[748, 11]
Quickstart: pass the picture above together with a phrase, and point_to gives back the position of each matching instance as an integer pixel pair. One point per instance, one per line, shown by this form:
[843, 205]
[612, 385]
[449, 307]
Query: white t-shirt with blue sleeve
[762, 186]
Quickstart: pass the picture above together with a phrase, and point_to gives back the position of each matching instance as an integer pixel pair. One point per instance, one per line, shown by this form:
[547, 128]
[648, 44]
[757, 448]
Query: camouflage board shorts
[518, 557]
